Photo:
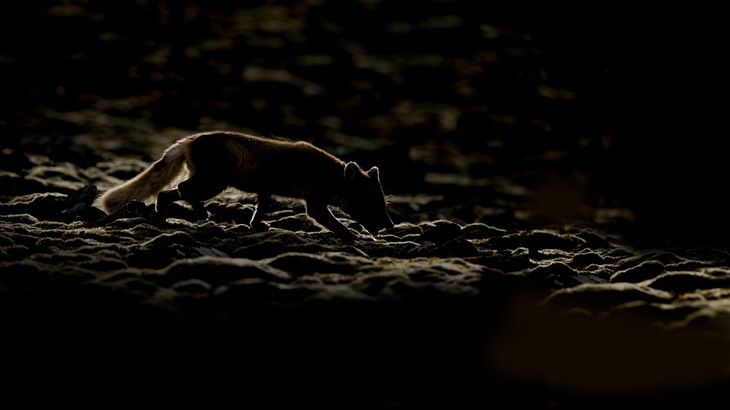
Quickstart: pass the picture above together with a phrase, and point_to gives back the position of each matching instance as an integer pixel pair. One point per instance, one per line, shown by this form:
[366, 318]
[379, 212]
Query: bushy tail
[149, 182]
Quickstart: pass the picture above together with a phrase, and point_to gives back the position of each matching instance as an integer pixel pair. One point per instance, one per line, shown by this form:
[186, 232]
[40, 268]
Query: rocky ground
[541, 258]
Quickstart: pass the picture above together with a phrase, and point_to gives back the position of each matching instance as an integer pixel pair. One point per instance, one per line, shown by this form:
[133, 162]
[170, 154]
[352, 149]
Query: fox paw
[260, 226]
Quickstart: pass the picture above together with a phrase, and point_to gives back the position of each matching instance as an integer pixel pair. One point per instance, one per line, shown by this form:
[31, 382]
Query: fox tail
[149, 182]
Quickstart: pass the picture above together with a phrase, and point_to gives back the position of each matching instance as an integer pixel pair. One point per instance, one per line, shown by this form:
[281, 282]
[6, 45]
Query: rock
[481, 231]
[643, 271]
[219, 271]
[537, 239]
[14, 184]
[687, 281]
[306, 263]
[559, 275]
[440, 232]
[133, 209]
[604, 296]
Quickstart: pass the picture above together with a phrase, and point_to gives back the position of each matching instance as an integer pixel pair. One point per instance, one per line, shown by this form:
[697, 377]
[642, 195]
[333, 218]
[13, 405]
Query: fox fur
[267, 167]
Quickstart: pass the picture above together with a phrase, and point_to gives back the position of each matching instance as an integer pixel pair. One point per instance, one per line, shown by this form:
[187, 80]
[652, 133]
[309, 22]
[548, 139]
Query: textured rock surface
[556, 183]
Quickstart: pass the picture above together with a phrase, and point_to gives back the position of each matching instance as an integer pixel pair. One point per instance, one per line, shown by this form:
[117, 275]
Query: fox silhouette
[265, 166]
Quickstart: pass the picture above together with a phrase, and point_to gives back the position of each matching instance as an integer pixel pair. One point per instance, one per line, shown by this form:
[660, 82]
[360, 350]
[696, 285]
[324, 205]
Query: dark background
[589, 108]
[619, 106]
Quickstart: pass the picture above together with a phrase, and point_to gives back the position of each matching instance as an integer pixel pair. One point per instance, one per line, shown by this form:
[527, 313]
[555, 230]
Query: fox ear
[351, 170]
[374, 173]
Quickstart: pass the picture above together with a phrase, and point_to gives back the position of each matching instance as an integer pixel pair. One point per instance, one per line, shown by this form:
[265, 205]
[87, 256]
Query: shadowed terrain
[556, 185]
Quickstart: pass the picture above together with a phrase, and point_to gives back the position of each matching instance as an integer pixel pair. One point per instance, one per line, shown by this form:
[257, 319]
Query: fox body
[266, 167]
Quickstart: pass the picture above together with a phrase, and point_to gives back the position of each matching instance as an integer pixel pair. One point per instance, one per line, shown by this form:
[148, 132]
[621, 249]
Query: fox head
[364, 197]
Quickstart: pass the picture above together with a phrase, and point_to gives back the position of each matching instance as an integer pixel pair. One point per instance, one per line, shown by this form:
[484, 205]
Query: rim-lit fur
[267, 167]
[150, 181]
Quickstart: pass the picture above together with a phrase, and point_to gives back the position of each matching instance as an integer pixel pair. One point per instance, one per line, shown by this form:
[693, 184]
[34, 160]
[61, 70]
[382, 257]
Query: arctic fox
[267, 167]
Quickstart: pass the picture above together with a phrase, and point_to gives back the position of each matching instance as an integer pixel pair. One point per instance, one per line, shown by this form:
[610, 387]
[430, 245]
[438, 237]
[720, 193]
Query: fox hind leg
[164, 199]
[198, 189]
[263, 203]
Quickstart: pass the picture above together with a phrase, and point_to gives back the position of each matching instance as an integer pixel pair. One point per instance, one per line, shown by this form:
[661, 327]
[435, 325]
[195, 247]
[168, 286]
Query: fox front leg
[320, 213]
